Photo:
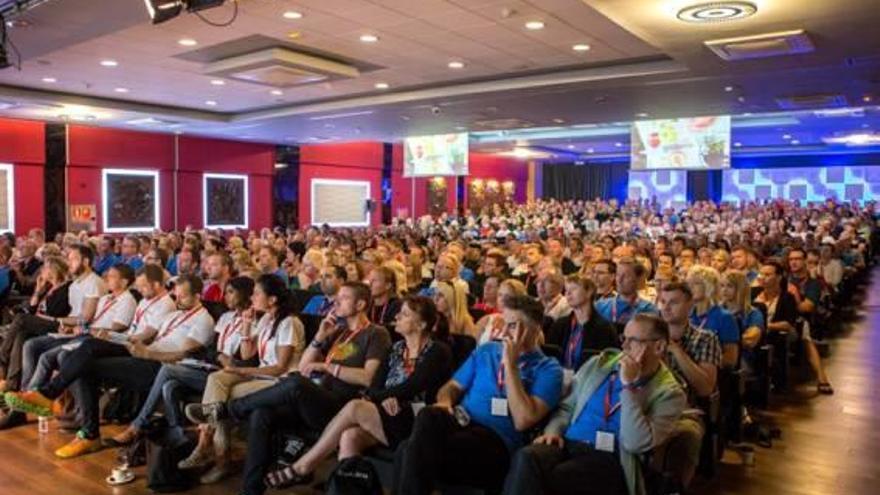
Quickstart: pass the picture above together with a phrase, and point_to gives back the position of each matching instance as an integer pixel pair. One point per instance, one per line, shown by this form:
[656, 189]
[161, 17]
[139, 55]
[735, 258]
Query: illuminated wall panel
[669, 186]
[811, 184]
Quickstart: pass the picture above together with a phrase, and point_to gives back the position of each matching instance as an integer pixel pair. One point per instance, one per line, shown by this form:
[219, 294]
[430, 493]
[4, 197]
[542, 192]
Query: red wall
[91, 149]
[199, 155]
[23, 144]
[347, 161]
[480, 165]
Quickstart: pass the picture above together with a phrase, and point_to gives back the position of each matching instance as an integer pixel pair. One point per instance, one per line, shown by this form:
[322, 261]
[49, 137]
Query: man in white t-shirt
[115, 311]
[182, 333]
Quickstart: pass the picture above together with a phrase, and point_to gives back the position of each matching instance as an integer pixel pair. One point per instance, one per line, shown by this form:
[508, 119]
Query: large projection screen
[432, 156]
[340, 203]
[697, 143]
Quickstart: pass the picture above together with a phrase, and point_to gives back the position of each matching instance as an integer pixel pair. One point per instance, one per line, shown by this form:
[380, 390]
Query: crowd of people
[552, 347]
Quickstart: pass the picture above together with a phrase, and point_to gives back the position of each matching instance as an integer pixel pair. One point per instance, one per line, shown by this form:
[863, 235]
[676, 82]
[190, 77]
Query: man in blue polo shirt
[501, 391]
[131, 255]
[332, 278]
[622, 404]
[626, 303]
[106, 255]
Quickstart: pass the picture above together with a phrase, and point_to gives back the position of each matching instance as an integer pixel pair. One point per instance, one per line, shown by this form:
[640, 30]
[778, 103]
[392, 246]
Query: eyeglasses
[628, 341]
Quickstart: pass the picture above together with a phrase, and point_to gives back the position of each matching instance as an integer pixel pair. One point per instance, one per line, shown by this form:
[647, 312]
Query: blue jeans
[32, 351]
[172, 381]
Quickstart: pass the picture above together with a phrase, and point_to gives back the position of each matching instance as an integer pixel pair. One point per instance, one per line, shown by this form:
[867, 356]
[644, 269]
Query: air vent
[762, 45]
[807, 102]
[281, 68]
[154, 122]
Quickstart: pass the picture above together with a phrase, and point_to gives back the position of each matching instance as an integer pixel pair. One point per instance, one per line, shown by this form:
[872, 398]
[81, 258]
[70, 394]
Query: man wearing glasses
[622, 404]
[603, 275]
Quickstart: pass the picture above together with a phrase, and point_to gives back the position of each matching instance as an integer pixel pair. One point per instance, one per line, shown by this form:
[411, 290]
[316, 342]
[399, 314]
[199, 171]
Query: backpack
[166, 448]
[354, 476]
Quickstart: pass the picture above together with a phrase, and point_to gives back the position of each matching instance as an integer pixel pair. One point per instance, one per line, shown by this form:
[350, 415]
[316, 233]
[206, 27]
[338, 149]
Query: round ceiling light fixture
[717, 11]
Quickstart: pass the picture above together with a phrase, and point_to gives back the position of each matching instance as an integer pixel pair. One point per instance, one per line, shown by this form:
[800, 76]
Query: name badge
[604, 441]
[499, 407]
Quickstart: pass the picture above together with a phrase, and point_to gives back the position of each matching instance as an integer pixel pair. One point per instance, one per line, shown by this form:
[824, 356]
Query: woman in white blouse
[269, 348]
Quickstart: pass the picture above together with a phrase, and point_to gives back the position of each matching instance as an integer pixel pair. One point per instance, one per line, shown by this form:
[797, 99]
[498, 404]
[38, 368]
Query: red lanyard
[500, 378]
[381, 315]
[574, 341]
[108, 303]
[338, 344]
[174, 323]
[139, 314]
[265, 330]
[229, 331]
[610, 409]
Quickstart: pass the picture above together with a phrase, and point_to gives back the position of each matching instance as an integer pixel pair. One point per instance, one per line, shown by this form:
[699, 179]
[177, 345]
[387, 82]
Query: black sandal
[287, 477]
[825, 389]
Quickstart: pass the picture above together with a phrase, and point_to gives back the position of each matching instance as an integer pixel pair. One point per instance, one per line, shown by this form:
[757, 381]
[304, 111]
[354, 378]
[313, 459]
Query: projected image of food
[440, 155]
[688, 143]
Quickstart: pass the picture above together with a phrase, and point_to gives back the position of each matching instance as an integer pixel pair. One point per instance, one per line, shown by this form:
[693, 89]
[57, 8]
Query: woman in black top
[48, 302]
[415, 369]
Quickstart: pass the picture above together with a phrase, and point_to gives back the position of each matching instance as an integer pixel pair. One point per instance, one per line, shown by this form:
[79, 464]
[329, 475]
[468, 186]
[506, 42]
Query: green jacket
[648, 414]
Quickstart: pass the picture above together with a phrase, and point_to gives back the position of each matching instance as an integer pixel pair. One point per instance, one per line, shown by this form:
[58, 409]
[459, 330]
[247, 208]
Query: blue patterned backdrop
[670, 186]
[805, 184]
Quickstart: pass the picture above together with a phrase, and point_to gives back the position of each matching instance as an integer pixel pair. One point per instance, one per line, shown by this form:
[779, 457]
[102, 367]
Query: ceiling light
[795, 142]
[50, 80]
[456, 64]
[276, 92]
[211, 103]
[187, 42]
[728, 88]
[121, 90]
[717, 11]
[109, 63]
[382, 85]
[641, 115]
[590, 150]
[218, 82]
[581, 47]
[369, 38]
[867, 98]
[292, 14]
[534, 25]
[737, 144]
[571, 146]
[558, 121]
[619, 145]
[786, 136]
[858, 139]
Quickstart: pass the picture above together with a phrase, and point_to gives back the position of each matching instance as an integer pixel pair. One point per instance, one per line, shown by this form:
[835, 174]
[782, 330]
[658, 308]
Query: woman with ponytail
[269, 347]
[417, 366]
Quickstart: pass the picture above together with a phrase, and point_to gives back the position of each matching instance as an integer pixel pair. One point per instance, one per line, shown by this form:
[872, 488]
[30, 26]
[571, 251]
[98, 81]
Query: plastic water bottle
[43, 425]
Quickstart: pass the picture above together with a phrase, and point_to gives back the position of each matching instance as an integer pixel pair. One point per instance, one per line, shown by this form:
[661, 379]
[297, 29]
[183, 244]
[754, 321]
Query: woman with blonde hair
[491, 326]
[451, 301]
[244, 264]
[399, 275]
[735, 296]
[707, 314]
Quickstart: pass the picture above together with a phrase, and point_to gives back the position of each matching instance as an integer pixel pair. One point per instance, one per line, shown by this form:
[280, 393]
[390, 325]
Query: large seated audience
[554, 347]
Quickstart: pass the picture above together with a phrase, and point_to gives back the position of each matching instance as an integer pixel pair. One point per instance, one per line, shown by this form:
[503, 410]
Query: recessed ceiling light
[50, 80]
[109, 62]
[867, 98]
[571, 146]
[590, 150]
[786, 136]
[369, 38]
[558, 121]
[382, 85]
[121, 90]
[187, 42]
[276, 92]
[795, 142]
[717, 11]
[641, 115]
[211, 103]
[292, 14]
[728, 88]
[581, 47]
[535, 25]
[456, 64]
[737, 144]
[619, 145]
[218, 82]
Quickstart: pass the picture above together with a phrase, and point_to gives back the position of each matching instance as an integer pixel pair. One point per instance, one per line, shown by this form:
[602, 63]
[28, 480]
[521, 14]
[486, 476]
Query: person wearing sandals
[338, 365]
[277, 341]
[173, 376]
[415, 369]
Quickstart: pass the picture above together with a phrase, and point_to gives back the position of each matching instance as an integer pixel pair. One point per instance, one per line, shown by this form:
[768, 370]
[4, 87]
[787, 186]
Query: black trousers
[576, 469]
[439, 449]
[22, 328]
[128, 373]
[295, 402]
[77, 361]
